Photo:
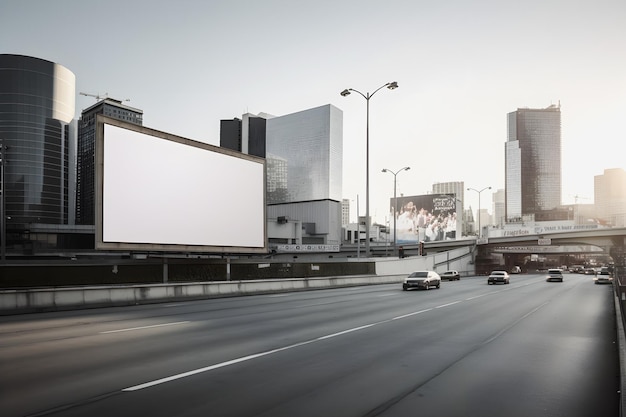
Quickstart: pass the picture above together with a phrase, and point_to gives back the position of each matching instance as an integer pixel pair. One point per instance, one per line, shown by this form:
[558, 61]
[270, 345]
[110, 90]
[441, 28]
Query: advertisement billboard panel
[160, 192]
[425, 218]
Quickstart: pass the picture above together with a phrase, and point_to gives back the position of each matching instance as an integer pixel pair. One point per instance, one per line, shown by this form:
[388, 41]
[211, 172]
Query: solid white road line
[144, 327]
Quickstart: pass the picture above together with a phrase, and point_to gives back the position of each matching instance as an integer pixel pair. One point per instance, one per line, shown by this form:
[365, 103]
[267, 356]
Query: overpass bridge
[610, 241]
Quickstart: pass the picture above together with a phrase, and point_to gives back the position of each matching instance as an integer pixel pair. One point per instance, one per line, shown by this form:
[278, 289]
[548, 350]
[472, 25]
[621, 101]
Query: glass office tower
[311, 144]
[37, 105]
[533, 162]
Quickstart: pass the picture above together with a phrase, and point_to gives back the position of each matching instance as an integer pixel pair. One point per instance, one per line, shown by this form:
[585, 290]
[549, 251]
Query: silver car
[422, 279]
[451, 275]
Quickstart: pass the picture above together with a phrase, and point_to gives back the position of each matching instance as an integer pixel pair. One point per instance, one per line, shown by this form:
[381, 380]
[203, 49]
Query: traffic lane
[560, 360]
[358, 374]
[83, 357]
[53, 377]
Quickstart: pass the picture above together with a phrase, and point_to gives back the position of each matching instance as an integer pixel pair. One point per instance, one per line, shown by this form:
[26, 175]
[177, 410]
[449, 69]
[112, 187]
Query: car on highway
[516, 270]
[422, 279]
[554, 274]
[603, 277]
[589, 271]
[498, 276]
[451, 275]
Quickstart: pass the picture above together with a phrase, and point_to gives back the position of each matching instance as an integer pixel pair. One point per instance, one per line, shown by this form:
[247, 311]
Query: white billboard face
[161, 192]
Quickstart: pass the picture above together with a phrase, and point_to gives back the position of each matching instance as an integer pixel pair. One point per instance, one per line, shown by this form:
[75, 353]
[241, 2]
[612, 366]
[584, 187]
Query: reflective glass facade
[304, 154]
[533, 161]
[37, 105]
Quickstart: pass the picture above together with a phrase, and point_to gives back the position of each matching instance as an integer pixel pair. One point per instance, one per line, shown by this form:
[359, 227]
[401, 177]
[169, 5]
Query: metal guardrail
[619, 285]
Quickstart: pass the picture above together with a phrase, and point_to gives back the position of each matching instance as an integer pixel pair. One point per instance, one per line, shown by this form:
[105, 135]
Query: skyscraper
[304, 152]
[533, 162]
[610, 196]
[37, 99]
[309, 146]
[85, 181]
[246, 135]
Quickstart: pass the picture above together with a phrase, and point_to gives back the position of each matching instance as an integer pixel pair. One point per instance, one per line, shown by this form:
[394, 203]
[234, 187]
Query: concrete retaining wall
[53, 299]
[388, 270]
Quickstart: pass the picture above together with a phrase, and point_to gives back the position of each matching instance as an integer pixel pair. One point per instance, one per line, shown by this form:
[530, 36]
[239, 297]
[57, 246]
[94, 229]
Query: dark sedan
[422, 279]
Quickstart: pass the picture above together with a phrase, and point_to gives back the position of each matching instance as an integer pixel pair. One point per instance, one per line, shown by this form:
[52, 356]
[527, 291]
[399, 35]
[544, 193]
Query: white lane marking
[130, 329]
[481, 295]
[411, 314]
[270, 352]
[238, 360]
[449, 304]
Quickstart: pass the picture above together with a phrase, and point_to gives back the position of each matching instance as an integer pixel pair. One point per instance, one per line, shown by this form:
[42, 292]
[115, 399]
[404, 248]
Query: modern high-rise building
[310, 143]
[38, 139]
[610, 196]
[498, 208]
[304, 154]
[85, 185]
[345, 212]
[533, 162]
[245, 135]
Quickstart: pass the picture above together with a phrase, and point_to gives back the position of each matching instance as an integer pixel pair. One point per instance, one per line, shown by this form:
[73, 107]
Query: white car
[555, 274]
[498, 276]
[603, 277]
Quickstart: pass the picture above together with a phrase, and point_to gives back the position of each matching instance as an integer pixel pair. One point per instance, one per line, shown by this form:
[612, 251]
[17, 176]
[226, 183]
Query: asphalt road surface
[530, 348]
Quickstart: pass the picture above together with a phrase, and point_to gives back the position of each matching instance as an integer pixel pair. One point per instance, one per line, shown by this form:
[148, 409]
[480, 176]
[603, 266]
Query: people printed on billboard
[425, 218]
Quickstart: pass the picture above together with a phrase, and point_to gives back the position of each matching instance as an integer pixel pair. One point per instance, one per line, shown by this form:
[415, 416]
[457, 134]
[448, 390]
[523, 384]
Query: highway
[530, 348]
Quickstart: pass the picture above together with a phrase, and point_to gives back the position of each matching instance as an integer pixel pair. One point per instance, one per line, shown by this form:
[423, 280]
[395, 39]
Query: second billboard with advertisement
[425, 218]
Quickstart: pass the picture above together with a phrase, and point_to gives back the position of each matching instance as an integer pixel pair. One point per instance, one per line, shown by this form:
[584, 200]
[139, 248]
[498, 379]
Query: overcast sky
[461, 67]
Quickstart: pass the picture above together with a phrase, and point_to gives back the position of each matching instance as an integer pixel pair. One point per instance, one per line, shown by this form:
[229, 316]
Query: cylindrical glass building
[37, 107]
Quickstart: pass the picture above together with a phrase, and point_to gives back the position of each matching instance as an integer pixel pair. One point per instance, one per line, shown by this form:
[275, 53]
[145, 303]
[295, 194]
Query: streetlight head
[384, 170]
[393, 85]
[345, 92]
[407, 168]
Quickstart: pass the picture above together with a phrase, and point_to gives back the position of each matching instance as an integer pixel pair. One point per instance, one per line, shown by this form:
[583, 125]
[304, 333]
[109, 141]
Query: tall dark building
[247, 135]
[38, 135]
[85, 179]
[533, 162]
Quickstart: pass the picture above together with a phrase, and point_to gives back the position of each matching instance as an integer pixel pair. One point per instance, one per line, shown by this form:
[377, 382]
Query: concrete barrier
[21, 301]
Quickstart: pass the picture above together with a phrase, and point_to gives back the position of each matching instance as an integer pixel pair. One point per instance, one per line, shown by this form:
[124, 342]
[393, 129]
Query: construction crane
[98, 97]
[576, 197]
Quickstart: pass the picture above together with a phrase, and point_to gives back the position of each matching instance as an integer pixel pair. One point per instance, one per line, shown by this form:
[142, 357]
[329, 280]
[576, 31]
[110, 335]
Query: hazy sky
[461, 66]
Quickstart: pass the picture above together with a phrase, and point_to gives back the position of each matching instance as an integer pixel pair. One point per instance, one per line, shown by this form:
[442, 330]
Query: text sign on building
[308, 248]
[544, 242]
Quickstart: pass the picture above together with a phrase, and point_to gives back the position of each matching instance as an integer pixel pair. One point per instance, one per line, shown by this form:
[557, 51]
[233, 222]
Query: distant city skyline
[461, 67]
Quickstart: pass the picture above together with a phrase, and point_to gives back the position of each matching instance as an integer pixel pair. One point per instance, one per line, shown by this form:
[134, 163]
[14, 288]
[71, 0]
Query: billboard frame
[101, 244]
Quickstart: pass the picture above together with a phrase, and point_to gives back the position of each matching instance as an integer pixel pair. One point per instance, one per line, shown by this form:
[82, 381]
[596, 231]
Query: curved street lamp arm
[392, 86]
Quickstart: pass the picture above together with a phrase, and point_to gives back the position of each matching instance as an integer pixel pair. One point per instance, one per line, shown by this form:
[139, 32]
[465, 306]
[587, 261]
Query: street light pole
[395, 205]
[392, 86]
[473, 189]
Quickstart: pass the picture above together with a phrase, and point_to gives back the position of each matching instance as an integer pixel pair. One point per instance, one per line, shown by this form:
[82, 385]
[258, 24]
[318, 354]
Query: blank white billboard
[161, 192]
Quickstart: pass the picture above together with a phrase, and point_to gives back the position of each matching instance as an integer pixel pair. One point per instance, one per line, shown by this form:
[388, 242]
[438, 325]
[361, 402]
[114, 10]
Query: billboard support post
[165, 271]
